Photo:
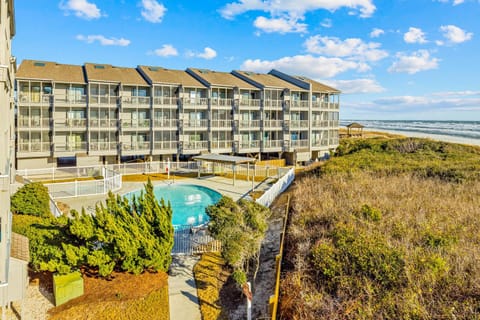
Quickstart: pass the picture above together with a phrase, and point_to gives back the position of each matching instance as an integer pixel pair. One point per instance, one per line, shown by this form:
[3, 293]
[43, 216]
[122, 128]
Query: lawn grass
[209, 277]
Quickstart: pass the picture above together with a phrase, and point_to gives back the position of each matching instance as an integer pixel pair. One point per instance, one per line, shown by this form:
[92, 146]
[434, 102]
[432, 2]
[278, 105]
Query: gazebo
[355, 129]
[220, 158]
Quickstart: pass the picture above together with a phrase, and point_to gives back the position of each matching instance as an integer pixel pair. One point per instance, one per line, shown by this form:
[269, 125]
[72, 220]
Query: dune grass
[387, 230]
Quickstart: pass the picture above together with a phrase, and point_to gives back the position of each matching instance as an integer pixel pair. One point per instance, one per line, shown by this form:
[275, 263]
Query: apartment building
[7, 78]
[98, 113]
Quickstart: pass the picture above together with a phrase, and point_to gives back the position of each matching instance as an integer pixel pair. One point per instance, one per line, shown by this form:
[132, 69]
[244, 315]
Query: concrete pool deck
[219, 184]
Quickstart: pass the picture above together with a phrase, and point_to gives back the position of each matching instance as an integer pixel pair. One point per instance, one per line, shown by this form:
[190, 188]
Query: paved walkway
[182, 289]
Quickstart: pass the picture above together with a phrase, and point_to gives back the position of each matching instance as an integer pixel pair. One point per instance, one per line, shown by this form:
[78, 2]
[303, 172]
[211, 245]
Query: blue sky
[394, 60]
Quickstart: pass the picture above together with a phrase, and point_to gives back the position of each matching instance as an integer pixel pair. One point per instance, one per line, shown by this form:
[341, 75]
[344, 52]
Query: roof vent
[39, 64]
[153, 69]
[97, 66]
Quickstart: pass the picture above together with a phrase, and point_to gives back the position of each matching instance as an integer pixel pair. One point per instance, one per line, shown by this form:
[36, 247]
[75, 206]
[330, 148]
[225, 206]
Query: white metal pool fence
[194, 240]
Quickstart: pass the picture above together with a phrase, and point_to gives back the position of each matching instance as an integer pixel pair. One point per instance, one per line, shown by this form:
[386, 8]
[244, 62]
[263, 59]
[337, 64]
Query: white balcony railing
[103, 100]
[221, 123]
[299, 104]
[221, 102]
[33, 123]
[136, 102]
[133, 124]
[4, 183]
[34, 146]
[249, 124]
[299, 143]
[196, 123]
[165, 145]
[34, 98]
[272, 104]
[299, 124]
[272, 143]
[164, 123]
[70, 123]
[320, 123]
[250, 102]
[227, 144]
[103, 123]
[167, 101]
[78, 146]
[74, 99]
[195, 102]
[272, 123]
[250, 144]
[102, 146]
[195, 145]
[138, 146]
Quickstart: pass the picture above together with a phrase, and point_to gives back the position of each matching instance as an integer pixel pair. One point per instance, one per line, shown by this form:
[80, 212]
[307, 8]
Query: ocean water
[462, 130]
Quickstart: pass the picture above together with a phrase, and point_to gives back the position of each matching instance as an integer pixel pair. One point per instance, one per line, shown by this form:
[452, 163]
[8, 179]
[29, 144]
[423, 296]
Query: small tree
[32, 199]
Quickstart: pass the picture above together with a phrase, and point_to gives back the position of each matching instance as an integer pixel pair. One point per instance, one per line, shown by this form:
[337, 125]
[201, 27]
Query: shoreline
[438, 137]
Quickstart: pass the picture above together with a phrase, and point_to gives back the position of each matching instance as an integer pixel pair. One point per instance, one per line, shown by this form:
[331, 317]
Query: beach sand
[438, 137]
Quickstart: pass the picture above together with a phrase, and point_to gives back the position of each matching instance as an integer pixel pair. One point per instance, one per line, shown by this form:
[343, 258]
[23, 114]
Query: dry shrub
[366, 245]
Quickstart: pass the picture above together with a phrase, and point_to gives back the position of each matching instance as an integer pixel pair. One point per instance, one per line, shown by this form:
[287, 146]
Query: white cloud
[153, 11]
[414, 35]
[425, 103]
[352, 47]
[455, 2]
[418, 61]
[454, 34]
[81, 8]
[208, 53]
[310, 66]
[326, 23]
[167, 50]
[356, 86]
[376, 32]
[296, 8]
[456, 93]
[280, 25]
[122, 42]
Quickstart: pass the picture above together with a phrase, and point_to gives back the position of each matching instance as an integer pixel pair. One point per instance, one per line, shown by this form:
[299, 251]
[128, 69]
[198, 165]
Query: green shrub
[370, 213]
[31, 199]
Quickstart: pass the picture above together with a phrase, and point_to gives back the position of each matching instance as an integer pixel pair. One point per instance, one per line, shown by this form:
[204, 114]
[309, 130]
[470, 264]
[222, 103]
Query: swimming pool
[188, 202]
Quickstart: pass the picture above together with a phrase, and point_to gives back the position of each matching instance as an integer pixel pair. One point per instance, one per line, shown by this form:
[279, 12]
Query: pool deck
[222, 185]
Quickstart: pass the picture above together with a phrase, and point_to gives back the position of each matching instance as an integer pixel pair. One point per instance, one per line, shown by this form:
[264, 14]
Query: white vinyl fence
[281, 185]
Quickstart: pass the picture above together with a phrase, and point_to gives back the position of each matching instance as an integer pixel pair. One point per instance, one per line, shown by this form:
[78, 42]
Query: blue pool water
[188, 202]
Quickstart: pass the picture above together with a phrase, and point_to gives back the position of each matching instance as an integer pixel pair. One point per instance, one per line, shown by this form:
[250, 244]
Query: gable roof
[158, 75]
[219, 79]
[317, 86]
[51, 71]
[267, 80]
[109, 73]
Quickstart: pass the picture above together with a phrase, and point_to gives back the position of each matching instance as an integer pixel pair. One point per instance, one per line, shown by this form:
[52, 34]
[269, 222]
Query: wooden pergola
[355, 129]
[232, 160]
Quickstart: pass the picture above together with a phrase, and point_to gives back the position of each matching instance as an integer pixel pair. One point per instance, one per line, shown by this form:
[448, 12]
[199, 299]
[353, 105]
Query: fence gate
[192, 240]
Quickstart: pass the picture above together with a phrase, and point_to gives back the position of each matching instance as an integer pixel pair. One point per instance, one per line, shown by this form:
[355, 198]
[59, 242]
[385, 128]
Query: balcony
[255, 103]
[30, 147]
[195, 145]
[277, 124]
[34, 99]
[104, 100]
[299, 124]
[71, 100]
[221, 102]
[195, 102]
[201, 124]
[105, 146]
[135, 124]
[272, 104]
[299, 143]
[138, 146]
[319, 123]
[135, 102]
[106, 124]
[73, 147]
[227, 144]
[226, 124]
[165, 123]
[250, 124]
[299, 104]
[165, 145]
[34, 123]
[165, 101]
[272, 144]
[70, 124]
[250, 144]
